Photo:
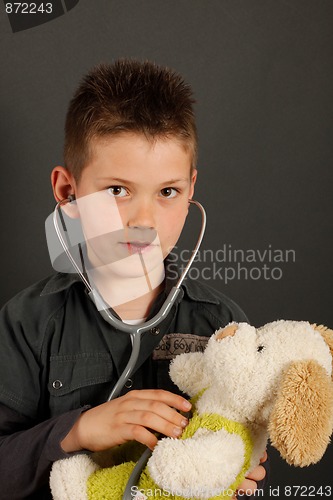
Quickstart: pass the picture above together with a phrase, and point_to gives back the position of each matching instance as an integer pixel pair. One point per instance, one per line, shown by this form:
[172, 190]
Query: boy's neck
[138, 308]
[131, 298]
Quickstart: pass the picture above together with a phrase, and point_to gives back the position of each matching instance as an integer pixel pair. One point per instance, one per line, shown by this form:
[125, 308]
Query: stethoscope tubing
[98, 300]
[135, 331]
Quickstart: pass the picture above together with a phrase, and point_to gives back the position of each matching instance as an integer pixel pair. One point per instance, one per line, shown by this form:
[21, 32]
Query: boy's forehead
[128, 144]
[98, 143]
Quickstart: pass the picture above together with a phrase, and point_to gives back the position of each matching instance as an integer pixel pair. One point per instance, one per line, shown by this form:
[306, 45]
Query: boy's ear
[63, 185]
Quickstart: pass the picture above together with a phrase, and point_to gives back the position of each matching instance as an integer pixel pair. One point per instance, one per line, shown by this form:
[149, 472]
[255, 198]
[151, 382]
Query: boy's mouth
[134, 247]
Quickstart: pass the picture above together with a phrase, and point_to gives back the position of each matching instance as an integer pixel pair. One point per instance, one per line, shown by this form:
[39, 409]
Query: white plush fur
[198, 457]
[68, 479]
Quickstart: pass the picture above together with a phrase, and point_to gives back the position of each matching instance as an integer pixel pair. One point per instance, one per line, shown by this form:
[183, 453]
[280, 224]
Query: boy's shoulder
[40, 300]
[54, 283]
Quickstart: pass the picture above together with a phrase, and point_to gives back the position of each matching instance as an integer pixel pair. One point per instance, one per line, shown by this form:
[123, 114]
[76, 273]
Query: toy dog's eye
[260, 348]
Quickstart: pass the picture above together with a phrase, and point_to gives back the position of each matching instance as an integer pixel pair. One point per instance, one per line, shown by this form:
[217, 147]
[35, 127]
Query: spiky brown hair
[128, 96]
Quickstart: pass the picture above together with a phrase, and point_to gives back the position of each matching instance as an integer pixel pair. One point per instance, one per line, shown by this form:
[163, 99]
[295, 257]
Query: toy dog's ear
[228, 331]
[69, 476]
[302, 418]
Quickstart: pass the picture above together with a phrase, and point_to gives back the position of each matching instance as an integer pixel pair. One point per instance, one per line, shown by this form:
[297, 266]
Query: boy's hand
[135, 416]
[249, 485]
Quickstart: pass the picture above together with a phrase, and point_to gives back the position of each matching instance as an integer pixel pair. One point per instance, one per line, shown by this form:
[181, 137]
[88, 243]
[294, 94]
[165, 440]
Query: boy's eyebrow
[175, 181]
[127, 181]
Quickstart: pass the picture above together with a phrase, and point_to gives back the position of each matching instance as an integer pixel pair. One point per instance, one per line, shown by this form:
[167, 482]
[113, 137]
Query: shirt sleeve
[27, 451]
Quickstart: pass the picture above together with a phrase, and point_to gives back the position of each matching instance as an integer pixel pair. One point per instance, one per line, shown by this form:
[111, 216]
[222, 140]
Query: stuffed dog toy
[248, 386]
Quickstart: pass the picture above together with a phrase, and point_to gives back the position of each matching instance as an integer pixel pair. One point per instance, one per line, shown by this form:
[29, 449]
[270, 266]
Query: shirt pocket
[76, 380]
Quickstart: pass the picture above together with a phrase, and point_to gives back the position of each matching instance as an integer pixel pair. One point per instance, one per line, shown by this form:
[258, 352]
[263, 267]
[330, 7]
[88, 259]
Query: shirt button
[57, 384]
[155, 331]
[129, 383]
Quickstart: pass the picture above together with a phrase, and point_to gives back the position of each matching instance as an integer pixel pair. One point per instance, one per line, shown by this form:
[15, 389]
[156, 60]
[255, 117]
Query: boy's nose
[142, 214]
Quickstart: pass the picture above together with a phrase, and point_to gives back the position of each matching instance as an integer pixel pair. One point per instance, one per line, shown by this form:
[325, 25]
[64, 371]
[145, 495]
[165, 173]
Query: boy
[130, 133]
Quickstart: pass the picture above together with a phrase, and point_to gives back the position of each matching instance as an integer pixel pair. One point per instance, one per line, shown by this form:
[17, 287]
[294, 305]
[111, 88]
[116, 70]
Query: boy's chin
[132, 269]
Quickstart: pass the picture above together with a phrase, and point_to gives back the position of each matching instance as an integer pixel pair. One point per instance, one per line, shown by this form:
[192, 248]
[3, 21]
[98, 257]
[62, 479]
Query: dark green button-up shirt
[58, 355]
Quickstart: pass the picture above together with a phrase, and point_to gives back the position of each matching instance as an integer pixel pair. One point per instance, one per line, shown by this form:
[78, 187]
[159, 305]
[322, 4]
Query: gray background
[262, 75]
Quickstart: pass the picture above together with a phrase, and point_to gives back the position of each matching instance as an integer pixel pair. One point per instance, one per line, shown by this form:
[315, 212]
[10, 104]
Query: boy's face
[139, 192]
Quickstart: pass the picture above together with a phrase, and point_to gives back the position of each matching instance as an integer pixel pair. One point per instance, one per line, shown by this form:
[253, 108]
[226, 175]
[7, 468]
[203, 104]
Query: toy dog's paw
[68, 478]
[205, 465]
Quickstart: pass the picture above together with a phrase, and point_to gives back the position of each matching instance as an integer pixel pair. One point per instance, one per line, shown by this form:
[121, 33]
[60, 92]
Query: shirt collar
[60, 282]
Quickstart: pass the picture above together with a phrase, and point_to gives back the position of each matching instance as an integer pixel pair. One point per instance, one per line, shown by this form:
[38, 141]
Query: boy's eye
[117, 191]
[168, 192]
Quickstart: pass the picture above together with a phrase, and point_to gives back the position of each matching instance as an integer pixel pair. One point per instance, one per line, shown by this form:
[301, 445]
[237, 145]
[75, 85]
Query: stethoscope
[135, 331]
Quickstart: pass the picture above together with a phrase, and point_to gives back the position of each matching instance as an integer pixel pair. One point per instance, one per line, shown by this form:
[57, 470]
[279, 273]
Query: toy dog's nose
[228, 331]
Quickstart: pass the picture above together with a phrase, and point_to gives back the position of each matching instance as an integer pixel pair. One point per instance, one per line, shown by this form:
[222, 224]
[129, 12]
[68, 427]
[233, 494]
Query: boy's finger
[247, 487]
[173, 400]
[150, 413]
[143, 436]
[154, 422]
[257, 474]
